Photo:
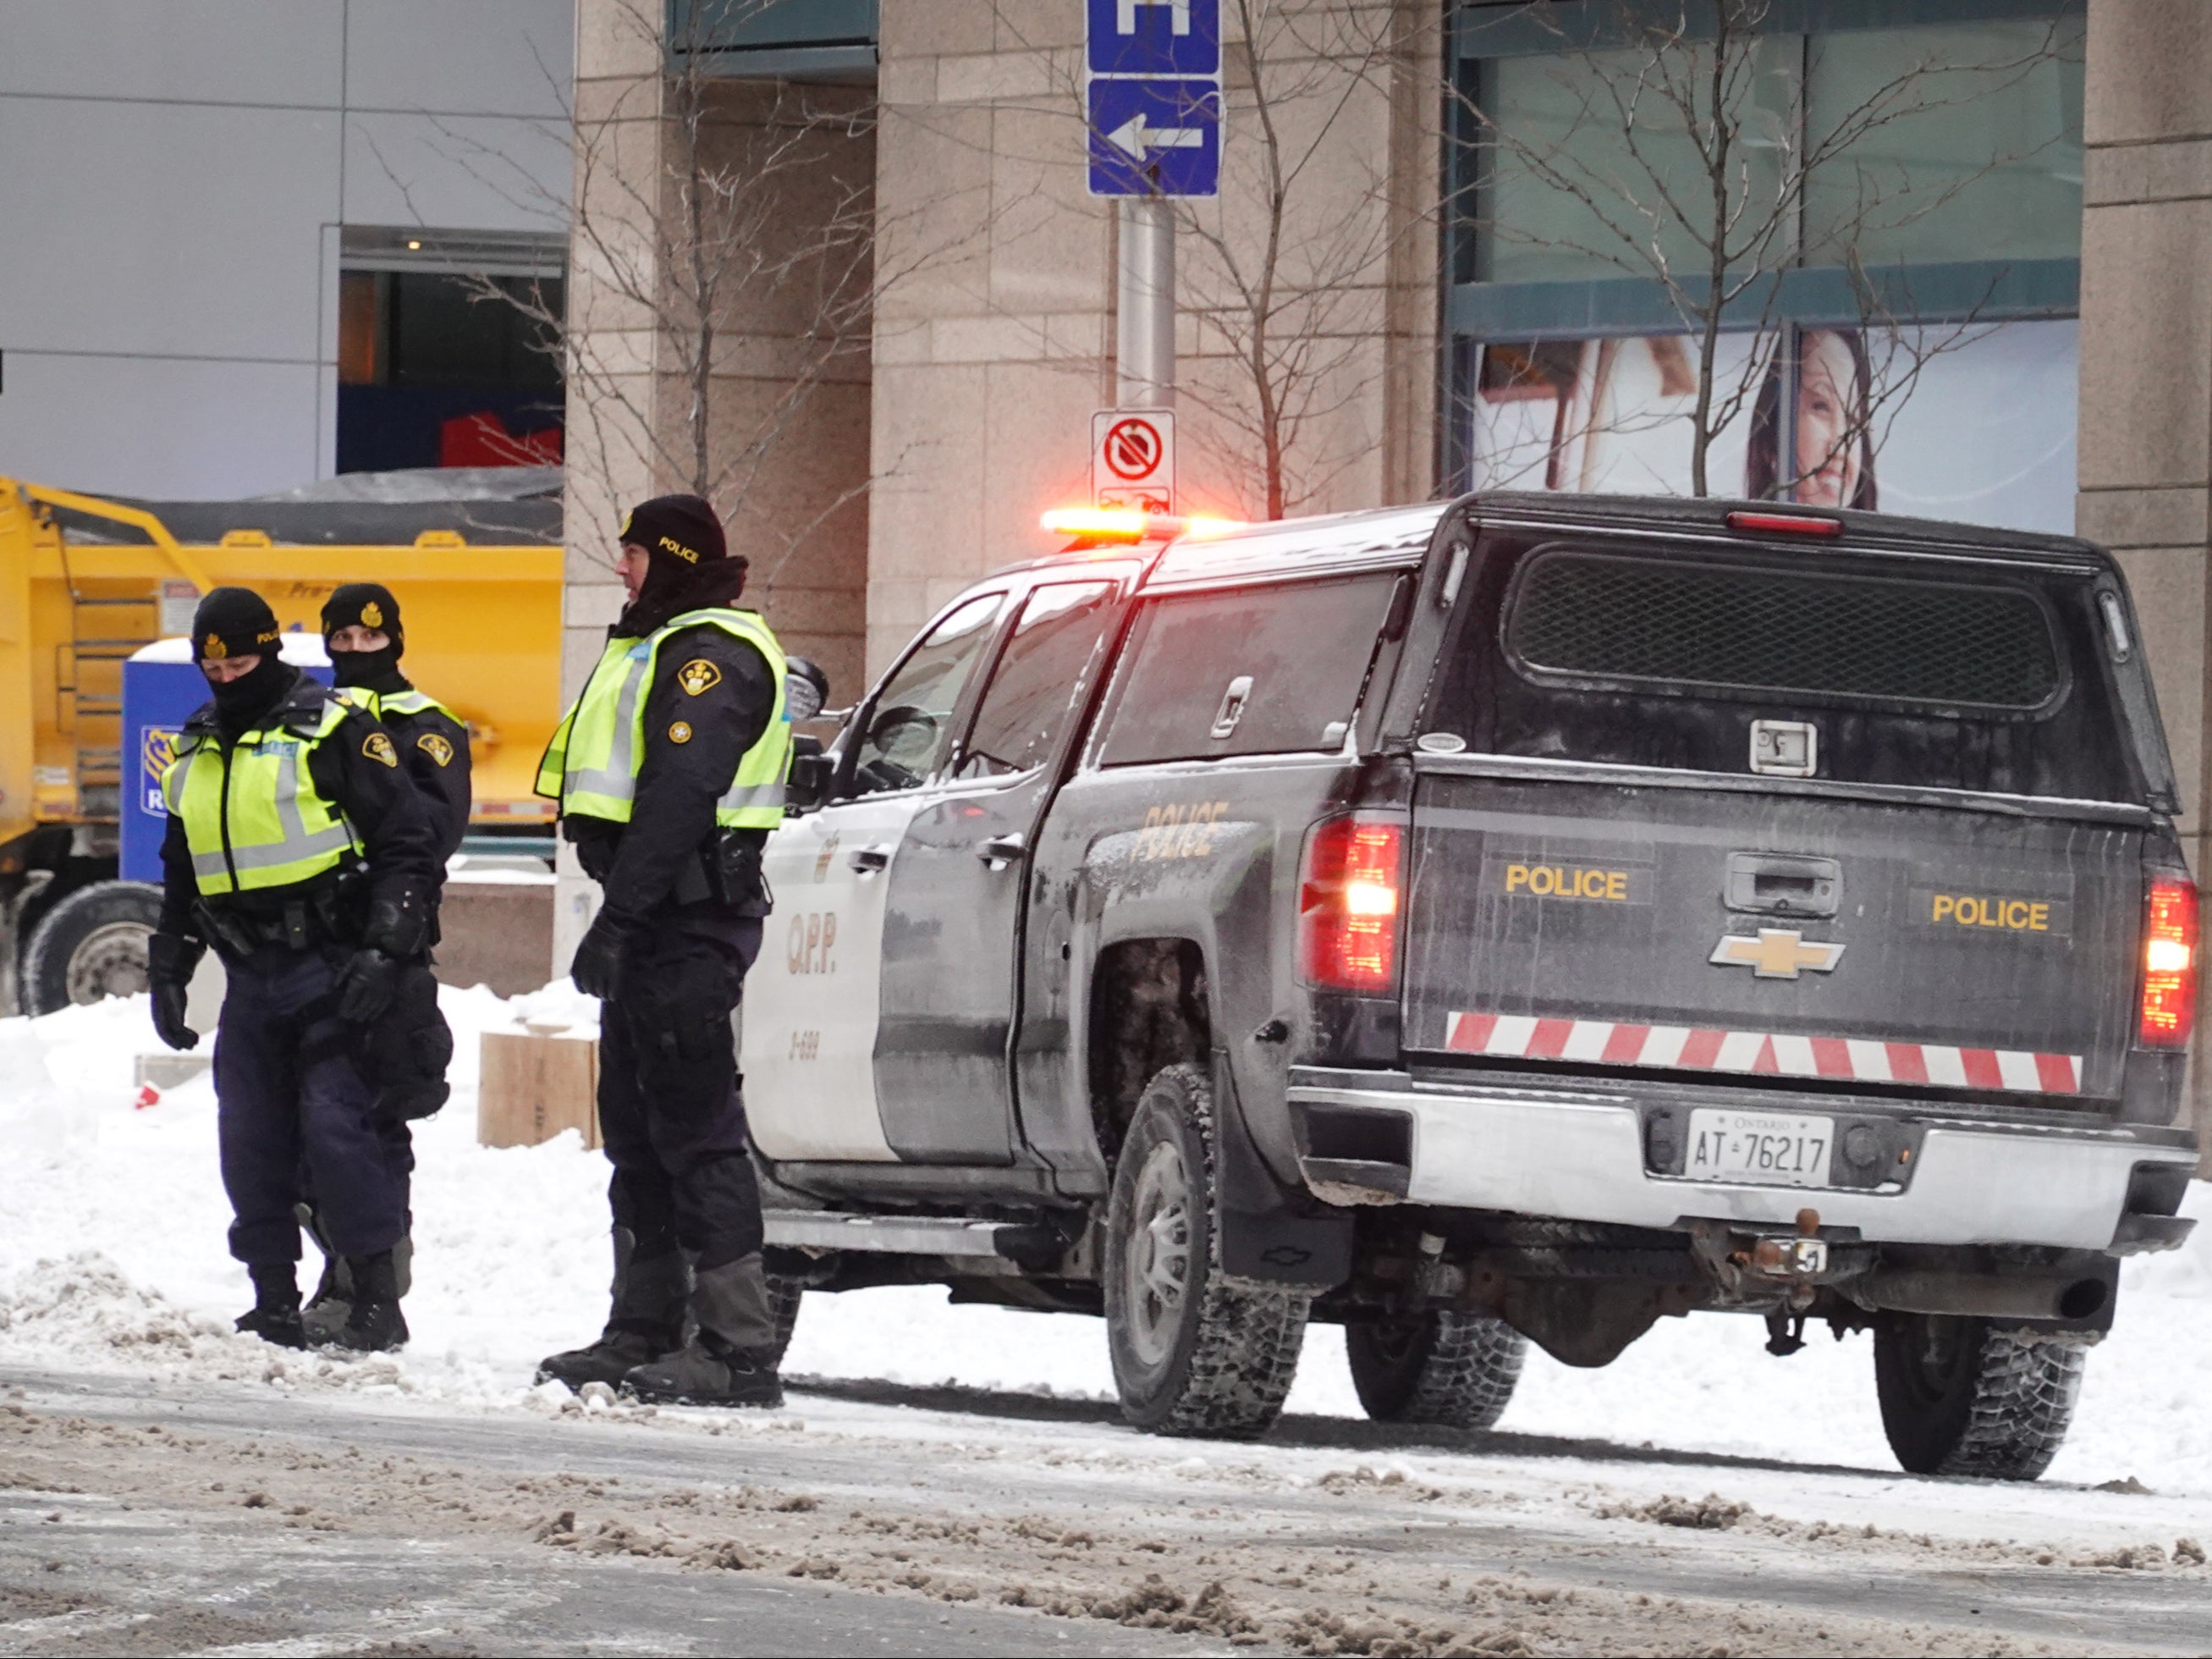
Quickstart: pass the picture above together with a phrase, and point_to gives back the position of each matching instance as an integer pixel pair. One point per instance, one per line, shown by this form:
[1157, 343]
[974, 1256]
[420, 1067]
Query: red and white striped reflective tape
[1688, 1048]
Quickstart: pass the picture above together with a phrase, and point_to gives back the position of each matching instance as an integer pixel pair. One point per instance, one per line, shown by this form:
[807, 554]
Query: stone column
[787, 439]
[617, 165]
[2146, 388]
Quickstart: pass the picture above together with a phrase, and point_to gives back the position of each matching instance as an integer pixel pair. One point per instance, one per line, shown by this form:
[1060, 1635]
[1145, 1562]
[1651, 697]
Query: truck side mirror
[807, 786]
[805, 688]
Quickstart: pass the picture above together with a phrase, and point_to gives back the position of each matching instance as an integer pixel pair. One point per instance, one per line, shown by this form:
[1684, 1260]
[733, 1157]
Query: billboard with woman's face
[1974, 424]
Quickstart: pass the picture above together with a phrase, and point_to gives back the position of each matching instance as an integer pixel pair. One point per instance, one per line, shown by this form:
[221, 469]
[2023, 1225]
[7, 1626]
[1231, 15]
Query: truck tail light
[1348, 894]
[2169, 980]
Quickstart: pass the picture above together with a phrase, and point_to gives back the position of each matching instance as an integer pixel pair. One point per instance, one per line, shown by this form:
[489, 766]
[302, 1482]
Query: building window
[1903, 208]
[444, 363]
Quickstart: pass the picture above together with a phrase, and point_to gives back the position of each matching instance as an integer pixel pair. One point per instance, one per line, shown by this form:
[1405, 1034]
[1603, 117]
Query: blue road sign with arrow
[1154, 96]
[1155, 137]
[1175, 39]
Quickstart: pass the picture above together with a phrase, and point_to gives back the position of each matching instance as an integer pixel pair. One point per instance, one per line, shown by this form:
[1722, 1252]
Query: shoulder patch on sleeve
[697, 675]
[680, 732]
[377, 745]
[436, 747]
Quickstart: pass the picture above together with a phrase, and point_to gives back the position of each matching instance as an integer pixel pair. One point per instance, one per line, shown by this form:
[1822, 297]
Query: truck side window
[1250, 671]
[909, 726]
[1032, 690]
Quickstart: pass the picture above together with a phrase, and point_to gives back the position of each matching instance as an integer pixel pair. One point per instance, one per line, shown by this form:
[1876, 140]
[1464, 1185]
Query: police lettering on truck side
[1402, 920]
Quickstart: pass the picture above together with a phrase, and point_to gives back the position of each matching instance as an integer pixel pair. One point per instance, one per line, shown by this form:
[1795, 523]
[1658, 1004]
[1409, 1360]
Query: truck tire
[1192, 1354]
[1960, 1398]
[1451, 1369]
[91, 944]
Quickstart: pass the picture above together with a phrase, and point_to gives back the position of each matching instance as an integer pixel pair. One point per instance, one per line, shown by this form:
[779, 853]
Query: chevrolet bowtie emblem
[1777, 954]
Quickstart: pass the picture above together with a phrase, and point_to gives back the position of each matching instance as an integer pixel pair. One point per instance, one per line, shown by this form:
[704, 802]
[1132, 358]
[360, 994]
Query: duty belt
[297, 924]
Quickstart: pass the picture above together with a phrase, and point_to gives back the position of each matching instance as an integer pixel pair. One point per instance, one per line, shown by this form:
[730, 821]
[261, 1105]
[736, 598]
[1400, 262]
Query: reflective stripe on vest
[281, 830]
[591, 767]
[378, 704]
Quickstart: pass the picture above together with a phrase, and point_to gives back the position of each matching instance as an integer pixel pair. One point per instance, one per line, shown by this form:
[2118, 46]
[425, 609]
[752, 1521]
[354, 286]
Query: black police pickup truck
[1521, 919]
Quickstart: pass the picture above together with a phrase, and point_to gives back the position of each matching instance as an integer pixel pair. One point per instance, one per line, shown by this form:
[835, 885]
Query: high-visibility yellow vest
[591, 767]
[378, 704]
[253, 817]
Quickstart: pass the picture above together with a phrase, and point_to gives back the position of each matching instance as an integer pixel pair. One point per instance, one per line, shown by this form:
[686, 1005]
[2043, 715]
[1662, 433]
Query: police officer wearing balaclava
[670, 773]
[295, 848]
[404, 1055]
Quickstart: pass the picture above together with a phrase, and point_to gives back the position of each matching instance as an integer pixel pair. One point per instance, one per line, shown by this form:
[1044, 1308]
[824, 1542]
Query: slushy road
[168, 1516]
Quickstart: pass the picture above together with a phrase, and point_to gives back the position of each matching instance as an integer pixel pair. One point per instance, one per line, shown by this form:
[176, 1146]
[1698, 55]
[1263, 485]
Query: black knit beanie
[234, 621]
[677, 530]
[366, 605]
[237, 622]
[688, 564]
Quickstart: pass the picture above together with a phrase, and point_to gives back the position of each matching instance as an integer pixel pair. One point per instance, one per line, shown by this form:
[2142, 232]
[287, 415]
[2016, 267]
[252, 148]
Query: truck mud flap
[1270, 1234]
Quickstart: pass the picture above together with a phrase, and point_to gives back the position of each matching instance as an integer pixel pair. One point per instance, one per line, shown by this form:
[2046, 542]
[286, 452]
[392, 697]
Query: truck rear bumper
[1519, 1146]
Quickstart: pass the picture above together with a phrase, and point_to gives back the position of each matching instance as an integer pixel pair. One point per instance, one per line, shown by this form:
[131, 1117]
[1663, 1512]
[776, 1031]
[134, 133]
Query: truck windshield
[1939, 674]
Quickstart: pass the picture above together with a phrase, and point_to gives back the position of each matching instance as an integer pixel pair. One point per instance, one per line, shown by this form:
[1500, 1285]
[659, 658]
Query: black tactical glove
[366, 985]
[597, 969]
[170, 959]
[398, 925]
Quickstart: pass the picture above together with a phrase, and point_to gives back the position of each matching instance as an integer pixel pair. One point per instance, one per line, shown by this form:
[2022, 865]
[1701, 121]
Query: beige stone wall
[789, 439]
[994, 329]
[2146, 390]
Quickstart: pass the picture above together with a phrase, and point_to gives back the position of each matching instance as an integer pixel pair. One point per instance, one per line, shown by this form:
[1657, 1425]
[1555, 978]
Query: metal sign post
[1152, 101]
[1144, 335]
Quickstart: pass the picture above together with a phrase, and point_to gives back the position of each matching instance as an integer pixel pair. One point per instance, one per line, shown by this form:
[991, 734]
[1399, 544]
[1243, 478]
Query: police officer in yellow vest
[670, 773]
[404, 1055]
[296, 848]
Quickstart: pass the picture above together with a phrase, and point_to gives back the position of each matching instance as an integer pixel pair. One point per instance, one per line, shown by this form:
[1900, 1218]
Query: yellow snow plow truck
[94, 679]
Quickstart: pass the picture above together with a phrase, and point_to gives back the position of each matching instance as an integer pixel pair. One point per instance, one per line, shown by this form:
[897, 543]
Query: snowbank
[112, 1257]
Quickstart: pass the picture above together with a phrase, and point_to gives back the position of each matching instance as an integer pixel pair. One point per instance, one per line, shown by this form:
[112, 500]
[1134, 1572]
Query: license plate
[1774, 1148]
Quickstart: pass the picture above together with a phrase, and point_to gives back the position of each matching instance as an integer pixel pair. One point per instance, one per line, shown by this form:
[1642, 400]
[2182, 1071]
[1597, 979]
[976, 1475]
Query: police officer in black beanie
[297, 850]
[405, 1054]
[670, 772]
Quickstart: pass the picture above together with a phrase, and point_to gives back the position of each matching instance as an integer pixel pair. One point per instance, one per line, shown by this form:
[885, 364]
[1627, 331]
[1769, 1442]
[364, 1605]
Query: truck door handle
[1002, 850]
[869, 860]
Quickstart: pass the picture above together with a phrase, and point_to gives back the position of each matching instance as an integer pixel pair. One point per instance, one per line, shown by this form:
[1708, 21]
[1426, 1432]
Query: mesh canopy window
[1780, 634]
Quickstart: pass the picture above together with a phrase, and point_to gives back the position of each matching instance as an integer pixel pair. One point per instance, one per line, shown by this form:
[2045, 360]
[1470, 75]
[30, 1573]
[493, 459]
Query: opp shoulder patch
[697, 675]
[377, 745]
[436, 747]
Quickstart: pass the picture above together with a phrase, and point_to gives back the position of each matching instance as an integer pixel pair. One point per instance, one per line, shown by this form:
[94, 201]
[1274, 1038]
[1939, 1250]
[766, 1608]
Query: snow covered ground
[113, 1258]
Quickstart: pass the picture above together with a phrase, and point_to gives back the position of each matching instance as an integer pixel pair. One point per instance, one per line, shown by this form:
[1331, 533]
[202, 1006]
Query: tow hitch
[1750, 1267]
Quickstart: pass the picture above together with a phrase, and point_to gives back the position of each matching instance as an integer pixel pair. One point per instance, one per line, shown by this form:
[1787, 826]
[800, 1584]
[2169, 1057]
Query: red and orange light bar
[1097, 524]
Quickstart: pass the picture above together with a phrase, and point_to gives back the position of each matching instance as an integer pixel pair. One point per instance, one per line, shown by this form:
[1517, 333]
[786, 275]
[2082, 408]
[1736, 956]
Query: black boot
[326, 1314]
[374, 1323]
[331, 1305]
[731, 1361]
[645, 1322]
[274, 1316]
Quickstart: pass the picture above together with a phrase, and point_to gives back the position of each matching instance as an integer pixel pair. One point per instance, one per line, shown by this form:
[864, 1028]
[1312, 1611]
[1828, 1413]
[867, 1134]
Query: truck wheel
[1192, 1355]
[1454, 1369]
[91, 944]
[1960, 1398]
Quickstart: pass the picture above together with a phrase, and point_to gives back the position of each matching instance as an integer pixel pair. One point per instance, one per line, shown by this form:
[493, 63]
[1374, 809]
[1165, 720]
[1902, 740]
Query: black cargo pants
[290, 1098]
[670, 1113]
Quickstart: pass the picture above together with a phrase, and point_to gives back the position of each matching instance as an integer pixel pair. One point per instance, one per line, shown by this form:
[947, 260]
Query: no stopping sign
[1132, 459]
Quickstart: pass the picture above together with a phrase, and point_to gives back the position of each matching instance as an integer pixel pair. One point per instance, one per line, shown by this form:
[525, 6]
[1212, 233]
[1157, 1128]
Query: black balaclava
[366, 605]
[237, 622]
[690, 568]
